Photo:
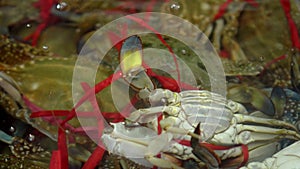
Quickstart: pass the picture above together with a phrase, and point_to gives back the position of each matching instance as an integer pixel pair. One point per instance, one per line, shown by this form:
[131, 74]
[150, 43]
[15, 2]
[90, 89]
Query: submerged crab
[183, 111]
[222, 122]
[286, 158]
[221, 26]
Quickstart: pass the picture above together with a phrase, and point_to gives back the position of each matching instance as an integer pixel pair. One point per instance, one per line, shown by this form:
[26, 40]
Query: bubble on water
[61, 6]
[45, 47]
[28, 25]
[31, 137]
[12, 129]
[293, 50]
[175, 7]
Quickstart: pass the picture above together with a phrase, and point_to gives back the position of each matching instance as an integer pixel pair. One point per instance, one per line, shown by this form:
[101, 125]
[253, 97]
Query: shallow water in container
[65, 85]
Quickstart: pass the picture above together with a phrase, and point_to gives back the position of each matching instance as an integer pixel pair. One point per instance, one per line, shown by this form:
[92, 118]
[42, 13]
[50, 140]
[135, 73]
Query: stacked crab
[198, 126]
[191, 128]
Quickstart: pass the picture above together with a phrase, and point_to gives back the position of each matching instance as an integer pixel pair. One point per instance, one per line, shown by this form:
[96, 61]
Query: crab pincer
[131, 58]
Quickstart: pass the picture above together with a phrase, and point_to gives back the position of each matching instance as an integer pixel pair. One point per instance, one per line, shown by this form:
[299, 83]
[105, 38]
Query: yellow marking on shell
[131, 61]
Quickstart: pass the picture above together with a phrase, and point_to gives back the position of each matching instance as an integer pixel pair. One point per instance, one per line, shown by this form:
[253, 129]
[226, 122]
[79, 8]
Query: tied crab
[286, 158]
[187, 111]
[220, 22]
[24, 91]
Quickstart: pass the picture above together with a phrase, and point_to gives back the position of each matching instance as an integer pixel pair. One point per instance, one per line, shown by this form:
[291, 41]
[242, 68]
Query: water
[255, 42]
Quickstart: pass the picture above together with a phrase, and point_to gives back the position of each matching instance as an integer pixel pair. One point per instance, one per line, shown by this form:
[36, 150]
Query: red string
[293, 31]
[62, 148]
[45, 113]
[46, 19]
[224, 6]
[292, 26]
[245, 154]
[224, 54]
[222, 10]
[168, 83]
[94, 159]
[159, 129]
[99, 87]
[62, 144]
[149, 9]
[96, 109]
[60, 157]
[144, 24]
[55, 160]
[272, 62]
[127, 109]
[115, 39]
[30, 105]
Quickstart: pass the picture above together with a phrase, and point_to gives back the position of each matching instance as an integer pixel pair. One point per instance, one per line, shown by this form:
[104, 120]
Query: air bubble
[12, 129]
[175, 8]
[31, 137]
[61, 6]
[292, 64]
[45, 47]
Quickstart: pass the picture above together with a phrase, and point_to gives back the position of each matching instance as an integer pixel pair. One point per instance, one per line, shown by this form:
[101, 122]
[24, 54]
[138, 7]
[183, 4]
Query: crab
[286, 158]
[222, 122]
[141, 144]
[222, 28]
[182, 112]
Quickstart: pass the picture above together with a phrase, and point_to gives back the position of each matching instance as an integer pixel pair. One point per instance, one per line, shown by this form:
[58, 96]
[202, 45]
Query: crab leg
[264, 121]
[162, 163]
[5, 138]
[137, 149]
[266, 132]
[149, 114]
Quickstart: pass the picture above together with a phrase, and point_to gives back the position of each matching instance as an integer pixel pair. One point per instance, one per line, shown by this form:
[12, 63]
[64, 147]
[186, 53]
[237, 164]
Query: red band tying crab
[46, 19]
[293, 29]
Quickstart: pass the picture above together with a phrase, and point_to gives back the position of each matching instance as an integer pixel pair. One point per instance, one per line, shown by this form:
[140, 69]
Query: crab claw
[279, 100]
[159, 143]
[204, 153]
[253, 96]
[11, 88]
[131, 57]
[295, 73]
